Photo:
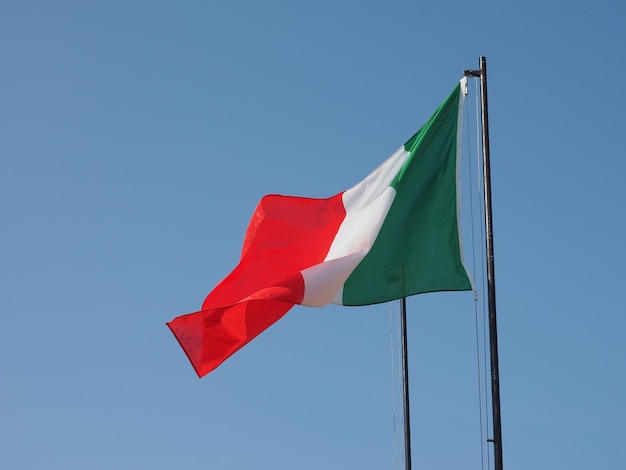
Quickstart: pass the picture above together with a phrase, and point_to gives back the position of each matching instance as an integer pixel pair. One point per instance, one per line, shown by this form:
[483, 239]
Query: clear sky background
[136, 138]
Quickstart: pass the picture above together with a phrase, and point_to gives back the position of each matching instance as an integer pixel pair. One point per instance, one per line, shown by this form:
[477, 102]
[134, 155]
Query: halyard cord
[477, 297]
[483, 266]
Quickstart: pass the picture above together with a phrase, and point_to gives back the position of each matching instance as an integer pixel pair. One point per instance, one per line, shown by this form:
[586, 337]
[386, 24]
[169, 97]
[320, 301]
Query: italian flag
[394, 234]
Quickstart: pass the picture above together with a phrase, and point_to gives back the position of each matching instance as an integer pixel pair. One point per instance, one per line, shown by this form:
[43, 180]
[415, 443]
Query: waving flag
[394, 234]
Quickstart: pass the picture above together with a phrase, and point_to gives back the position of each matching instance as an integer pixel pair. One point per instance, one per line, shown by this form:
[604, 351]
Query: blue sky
[136, 139]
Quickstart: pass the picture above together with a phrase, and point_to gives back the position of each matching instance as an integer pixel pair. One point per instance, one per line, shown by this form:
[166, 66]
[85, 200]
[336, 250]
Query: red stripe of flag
[286, 235]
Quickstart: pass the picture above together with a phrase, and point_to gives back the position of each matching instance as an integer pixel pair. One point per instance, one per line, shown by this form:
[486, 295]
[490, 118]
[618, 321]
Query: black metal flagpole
[405, 381]
[491, 281]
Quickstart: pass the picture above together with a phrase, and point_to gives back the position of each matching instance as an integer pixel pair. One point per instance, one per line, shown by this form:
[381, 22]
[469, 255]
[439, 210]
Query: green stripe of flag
[418, 248]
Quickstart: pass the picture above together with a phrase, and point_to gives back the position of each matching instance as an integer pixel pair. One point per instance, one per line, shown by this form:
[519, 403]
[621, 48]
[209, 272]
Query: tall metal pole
[405, 381]
[491, 279]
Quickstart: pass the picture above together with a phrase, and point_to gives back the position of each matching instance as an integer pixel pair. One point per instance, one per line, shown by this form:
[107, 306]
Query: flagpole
[405, 382]
[491, 281]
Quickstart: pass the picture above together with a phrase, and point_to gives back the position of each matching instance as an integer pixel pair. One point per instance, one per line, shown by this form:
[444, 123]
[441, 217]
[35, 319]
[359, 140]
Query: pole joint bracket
[472, 73]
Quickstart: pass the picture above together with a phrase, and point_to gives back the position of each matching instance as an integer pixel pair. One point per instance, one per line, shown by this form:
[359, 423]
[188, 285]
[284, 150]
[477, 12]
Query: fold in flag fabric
[394, 234]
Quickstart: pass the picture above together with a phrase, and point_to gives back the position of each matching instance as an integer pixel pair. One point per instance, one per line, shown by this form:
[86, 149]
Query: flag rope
[483, 238]
[476, 296]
